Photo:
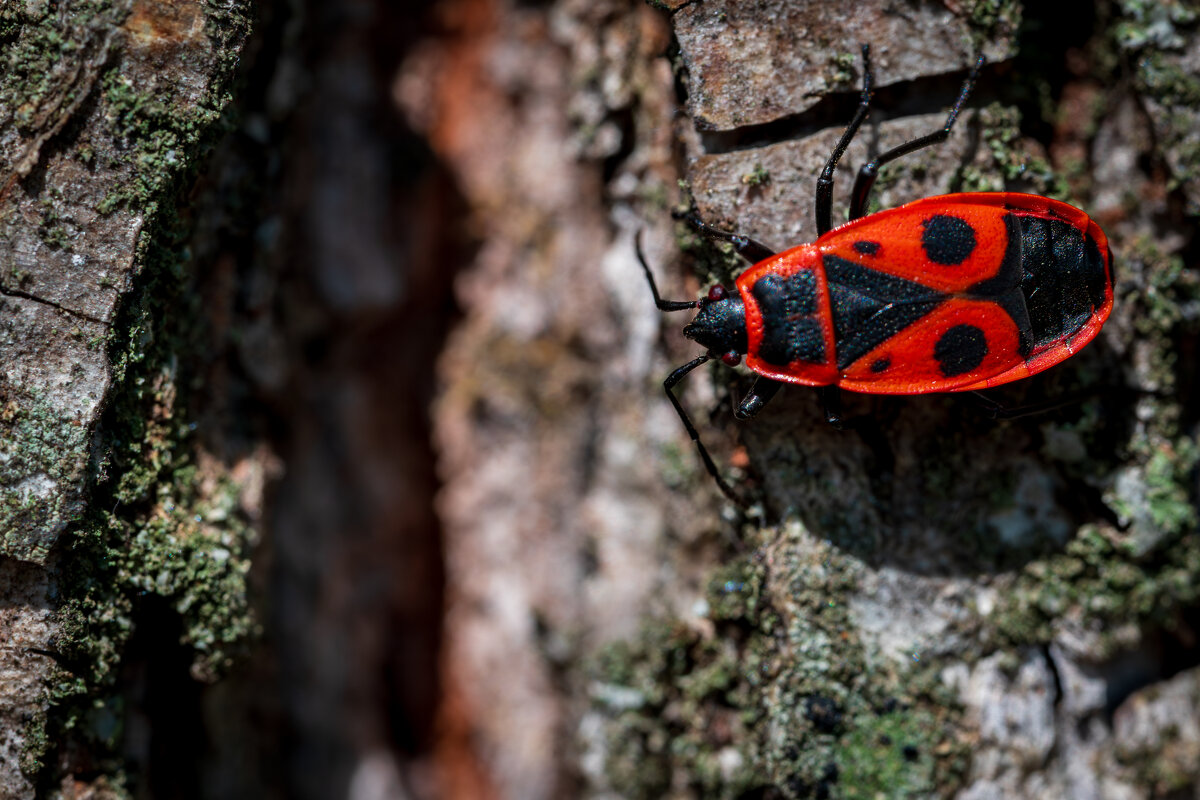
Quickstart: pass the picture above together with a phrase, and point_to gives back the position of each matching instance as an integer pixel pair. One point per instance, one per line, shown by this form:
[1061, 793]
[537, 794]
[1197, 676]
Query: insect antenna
[663, 305]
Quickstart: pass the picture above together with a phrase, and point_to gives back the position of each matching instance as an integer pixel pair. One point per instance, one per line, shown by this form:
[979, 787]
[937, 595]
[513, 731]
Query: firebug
[945, 294]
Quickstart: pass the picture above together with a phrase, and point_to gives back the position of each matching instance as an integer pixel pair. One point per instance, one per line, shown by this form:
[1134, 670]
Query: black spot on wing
[947, 240]
[791, 331]
[866, 248]
[960, 350]
[870, 307]
[880, 365]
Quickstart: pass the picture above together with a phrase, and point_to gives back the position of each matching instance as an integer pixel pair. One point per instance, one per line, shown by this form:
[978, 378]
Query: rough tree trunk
[490, 563]
[105, 109]
[932, 603]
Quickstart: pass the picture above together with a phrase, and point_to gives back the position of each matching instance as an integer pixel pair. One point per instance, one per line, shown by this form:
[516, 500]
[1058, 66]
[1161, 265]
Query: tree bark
[105, 108]
[335, 456]
[930, 603]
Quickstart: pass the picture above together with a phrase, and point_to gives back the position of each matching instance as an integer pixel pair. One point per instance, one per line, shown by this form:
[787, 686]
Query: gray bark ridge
[101, 107]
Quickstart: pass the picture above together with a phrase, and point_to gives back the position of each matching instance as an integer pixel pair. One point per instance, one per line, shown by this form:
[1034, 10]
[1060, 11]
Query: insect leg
[749, 249]
[663, 305]
[831, 403]
[759, 395]
[996, 410]
[824, 203]
[870, 171]
[669, 384]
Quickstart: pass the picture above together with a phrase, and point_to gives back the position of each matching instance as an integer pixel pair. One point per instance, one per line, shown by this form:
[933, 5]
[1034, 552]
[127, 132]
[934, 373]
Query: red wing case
[963, 291]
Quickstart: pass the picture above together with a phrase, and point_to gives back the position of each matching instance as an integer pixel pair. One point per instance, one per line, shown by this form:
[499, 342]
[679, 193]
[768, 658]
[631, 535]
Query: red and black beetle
[945, 294]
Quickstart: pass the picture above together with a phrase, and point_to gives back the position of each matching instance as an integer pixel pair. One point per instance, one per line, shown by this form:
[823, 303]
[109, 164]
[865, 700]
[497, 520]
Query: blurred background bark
[336, 462]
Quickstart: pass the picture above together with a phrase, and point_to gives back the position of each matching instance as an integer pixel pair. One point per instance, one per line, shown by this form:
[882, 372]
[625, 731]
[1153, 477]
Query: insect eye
[731, 359]
[717, 293]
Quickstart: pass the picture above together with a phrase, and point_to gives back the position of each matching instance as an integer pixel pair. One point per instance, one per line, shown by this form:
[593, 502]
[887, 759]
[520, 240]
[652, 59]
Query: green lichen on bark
[41, 52]
[156, 130]
[125, 88]
[1118, 565]
[1159, 40]
[1010, 166]
[1145, 570]
[48, 53]
[759, 176]
[773, 689]
[154, 133]
[39, 449]
[164, 520]
[991, 20]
